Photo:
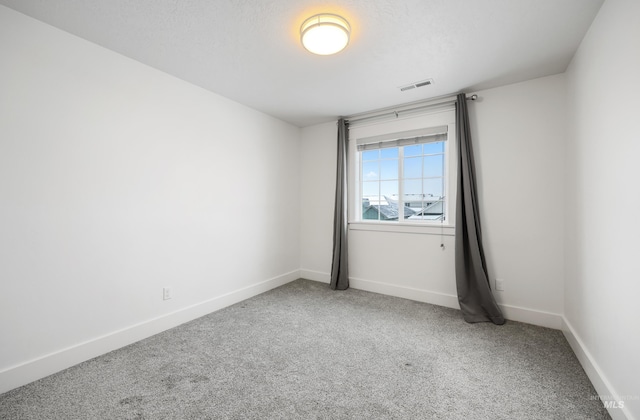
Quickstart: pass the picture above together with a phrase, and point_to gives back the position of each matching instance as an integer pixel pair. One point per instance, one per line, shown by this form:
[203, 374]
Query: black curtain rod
[388, 112]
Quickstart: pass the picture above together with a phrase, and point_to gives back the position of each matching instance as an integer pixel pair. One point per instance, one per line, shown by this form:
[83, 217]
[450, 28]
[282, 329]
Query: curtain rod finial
[472, 97]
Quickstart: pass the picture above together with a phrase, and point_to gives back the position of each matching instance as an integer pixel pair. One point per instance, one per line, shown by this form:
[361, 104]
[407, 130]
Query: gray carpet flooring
[304, 351]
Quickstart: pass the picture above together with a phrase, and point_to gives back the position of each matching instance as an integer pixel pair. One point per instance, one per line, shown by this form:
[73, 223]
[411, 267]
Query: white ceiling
[249, 50]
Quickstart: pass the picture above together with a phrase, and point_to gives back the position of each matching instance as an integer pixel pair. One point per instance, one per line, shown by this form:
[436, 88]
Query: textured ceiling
[249, 50]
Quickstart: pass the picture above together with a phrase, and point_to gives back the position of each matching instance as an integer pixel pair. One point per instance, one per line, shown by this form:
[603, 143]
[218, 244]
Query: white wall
[519, 132]
[602, 282]
[318, 148]
[518, 135]
[117, 180]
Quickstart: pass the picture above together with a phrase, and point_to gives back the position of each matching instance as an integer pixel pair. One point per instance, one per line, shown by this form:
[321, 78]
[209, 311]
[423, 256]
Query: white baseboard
[513, 313]
[46, 365]
[532, 316]
[435, 298]
[603, 387]
[315, 276]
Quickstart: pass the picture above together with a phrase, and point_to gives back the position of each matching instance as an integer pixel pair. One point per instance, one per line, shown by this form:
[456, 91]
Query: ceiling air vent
[416, 85]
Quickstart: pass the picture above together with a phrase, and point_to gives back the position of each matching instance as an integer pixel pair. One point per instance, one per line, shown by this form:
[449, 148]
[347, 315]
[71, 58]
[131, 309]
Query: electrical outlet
[500, 285]
[166, 293]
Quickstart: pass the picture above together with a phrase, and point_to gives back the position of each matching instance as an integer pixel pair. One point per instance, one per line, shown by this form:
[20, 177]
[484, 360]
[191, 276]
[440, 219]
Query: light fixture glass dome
[325, 34]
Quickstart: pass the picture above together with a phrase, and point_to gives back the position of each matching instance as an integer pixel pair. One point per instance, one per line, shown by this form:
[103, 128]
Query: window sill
[419, 228]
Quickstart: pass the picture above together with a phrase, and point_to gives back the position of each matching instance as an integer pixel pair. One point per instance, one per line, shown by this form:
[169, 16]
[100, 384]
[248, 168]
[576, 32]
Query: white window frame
[394, 128]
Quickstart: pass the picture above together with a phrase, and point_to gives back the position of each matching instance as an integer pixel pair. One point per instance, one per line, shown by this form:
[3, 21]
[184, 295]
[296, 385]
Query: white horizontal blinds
[402, 142]
[405, 138]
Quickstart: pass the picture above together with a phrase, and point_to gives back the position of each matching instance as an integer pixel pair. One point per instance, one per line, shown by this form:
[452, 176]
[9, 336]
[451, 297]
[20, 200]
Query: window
[403, 176]
[409, 177]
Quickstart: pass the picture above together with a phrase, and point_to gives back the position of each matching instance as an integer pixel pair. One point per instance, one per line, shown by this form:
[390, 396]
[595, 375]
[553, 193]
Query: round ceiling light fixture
[325, 34]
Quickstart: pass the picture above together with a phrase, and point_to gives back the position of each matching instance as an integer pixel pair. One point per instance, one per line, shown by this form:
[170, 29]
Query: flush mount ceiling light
[325, 34]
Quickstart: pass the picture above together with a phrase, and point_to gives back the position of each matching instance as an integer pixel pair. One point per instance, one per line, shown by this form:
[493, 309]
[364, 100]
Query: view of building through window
[409, 177]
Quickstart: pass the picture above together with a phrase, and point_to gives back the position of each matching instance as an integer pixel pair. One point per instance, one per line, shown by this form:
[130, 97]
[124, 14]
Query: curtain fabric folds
[472, 280]
[340, 264]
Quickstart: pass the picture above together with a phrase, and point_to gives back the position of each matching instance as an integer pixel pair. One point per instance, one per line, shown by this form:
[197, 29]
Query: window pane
[422, 180]
[434, 210]
[435, 147]
[370, 190]
[413, 167]
[371, 155]
[433, 165]
[433, 188]
[413, 194]
[370, 171]
[413, 187]
[413, 150]
[391, 152]
[389, 188]
[370, 206]
[389, 169]
[388, 208]
[443, 210]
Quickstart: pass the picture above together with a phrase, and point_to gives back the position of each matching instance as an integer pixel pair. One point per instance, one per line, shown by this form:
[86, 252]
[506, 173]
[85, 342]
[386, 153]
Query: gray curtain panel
[472, 280]
[340, 264]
